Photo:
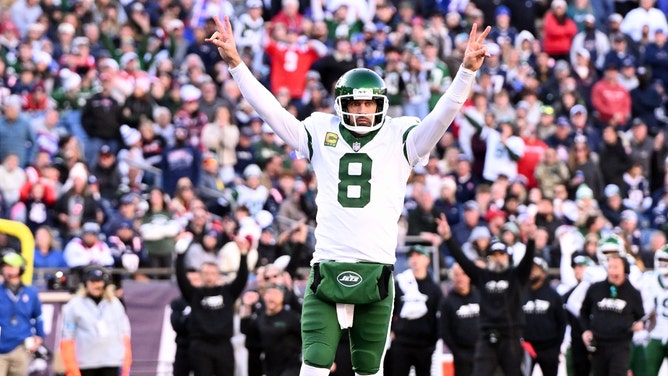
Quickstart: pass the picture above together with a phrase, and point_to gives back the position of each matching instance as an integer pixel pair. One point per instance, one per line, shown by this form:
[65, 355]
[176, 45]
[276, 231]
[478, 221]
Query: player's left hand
[476, 51]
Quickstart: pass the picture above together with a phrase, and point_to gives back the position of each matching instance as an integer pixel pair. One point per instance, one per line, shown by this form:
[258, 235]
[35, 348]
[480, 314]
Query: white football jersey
[655, 298]
[361, 187]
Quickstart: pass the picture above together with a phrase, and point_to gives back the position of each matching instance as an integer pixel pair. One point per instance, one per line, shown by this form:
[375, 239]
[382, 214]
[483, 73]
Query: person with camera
[501, 286]
[21, 326]
[95, 338]
[212, 309]
[611, 312]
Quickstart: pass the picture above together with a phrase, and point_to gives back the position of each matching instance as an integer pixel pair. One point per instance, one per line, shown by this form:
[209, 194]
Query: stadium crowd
[122, 130]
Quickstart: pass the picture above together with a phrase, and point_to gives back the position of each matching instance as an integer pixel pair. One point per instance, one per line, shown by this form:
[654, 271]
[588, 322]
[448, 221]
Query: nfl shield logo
[356, 146]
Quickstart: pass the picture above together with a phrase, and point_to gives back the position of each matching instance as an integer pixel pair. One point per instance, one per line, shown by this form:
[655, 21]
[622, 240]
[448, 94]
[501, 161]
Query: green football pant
[368, 335]
[638, 360]
[655, 352]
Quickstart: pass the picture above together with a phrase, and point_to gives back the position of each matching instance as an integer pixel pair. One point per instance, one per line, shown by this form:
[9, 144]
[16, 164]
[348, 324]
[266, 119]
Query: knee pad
[368, 363]
[319, 355]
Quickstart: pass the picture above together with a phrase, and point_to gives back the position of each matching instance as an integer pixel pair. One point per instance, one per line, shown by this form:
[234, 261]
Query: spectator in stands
[644, 16]
[107, 174]
[100, 120]
[615, 155]
[179, 161]
[212, 304]
[95, 338]
[550, 171]
[304, 52]
[611, 204]
[127, 248]
[88, 248]
[12, 178]
[138, 106]
[76, 206]
[48, 253]
[559, 30]
[184, 198]
[190, 117]
[221, 137]
[583, 131]
[591, 39]
[211, 188]
[545, 320]
[504, 149]
[332, 65]
[475, 247]
[580, 159]
[646, 99]
[289, 16]
[656, 58]
[278, 329]
[16, 135]
[22, 324]
[158, 230]
[534, 151]
[611, 101]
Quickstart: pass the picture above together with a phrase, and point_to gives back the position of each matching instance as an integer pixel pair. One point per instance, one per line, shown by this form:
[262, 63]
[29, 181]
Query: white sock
[307, 370]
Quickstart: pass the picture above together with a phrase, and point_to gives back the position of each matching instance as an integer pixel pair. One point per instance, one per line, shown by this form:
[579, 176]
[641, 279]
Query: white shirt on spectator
[636, 19]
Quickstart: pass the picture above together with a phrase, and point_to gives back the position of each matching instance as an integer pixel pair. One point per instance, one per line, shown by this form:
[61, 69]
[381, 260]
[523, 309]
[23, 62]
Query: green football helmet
[610, 245]
[360, 84]
[661, 260]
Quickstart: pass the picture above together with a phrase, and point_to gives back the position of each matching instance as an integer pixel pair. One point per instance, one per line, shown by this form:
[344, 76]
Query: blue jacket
[27, 310]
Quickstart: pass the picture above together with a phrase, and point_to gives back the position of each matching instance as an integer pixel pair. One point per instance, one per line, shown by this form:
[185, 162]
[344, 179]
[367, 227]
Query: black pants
[611, 358]
[548, 360]
[403, 357]
[580, 357]
[104, 371]
[506, 353]
[255, 362]
[463, 362]
[181, 366]
[212, 359]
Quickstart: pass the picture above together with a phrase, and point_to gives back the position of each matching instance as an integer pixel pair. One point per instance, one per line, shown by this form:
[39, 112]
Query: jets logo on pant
[349, 279]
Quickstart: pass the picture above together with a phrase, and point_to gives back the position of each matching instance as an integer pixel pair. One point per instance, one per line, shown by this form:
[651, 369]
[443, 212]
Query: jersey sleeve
[434, 125]
[286, 126]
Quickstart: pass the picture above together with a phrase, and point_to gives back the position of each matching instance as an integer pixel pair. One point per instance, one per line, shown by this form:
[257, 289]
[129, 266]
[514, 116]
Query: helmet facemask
[349, 119]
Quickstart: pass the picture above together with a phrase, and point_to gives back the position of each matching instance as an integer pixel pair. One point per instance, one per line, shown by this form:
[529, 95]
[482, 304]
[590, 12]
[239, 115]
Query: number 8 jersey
[361, 186]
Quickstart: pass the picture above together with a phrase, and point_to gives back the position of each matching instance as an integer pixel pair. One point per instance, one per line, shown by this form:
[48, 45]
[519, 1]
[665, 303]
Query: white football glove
[182, 244]
[130, 262]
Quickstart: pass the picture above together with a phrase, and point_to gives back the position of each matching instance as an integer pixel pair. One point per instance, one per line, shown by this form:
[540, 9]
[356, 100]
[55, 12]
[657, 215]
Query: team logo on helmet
[349, 279]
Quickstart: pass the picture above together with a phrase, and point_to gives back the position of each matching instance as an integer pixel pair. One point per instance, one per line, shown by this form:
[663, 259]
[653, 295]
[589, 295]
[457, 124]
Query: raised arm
[469, 267]
[238, 284]
[425, 136]
[262, 100]
[187, 289]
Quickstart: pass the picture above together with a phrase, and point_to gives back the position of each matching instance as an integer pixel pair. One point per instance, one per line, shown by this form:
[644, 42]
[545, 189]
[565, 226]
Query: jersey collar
[356, 143]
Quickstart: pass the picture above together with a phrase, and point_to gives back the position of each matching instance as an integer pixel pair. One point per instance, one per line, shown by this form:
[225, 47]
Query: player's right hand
[223, 38]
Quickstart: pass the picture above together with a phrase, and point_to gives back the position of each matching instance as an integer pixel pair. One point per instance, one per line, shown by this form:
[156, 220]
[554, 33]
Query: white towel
[345, 313]
[414, 302]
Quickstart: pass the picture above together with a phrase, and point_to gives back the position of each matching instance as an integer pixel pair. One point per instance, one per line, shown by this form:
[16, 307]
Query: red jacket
[608, 99]
[558, 37]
